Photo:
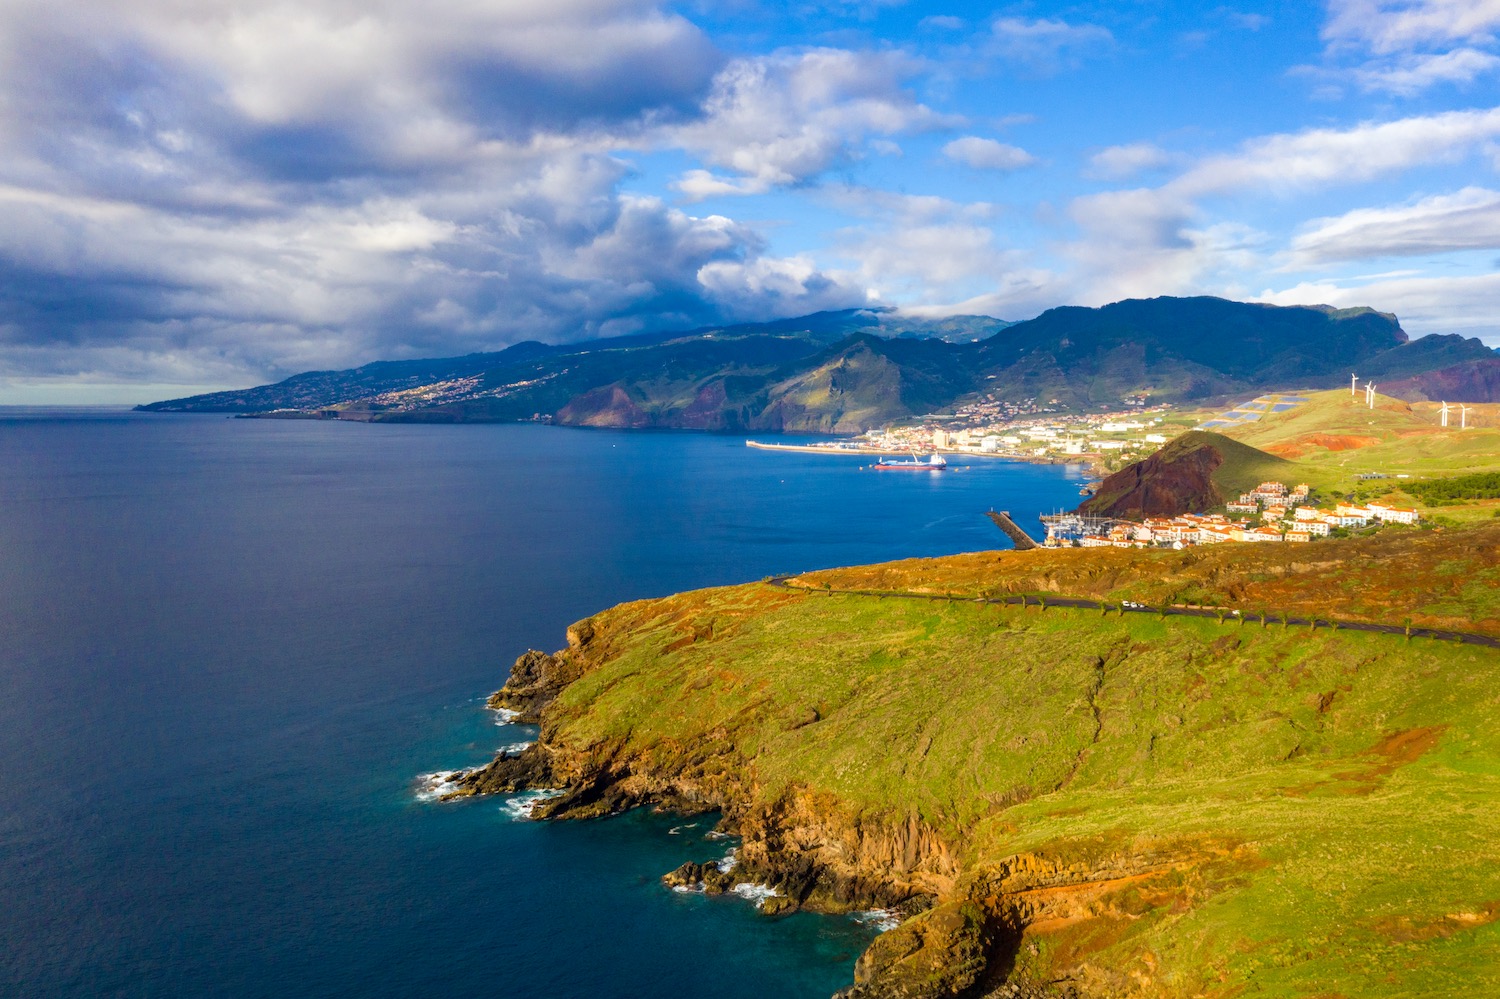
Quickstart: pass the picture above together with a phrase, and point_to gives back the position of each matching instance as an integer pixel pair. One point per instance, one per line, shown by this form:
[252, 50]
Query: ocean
[230, 648]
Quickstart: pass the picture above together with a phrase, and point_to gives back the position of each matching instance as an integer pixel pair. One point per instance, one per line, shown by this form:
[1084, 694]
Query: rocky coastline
[961, 928]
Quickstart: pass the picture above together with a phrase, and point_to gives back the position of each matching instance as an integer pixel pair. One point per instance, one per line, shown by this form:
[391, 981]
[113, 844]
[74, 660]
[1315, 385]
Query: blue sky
[221, 193]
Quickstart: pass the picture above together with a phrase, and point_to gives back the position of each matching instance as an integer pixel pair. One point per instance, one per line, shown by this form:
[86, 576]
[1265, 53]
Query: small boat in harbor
[934, 464]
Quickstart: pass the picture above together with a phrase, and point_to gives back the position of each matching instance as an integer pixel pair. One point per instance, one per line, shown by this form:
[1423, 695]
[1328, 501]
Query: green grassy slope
[1326, 801]
[1195, 471]
[1333, 438]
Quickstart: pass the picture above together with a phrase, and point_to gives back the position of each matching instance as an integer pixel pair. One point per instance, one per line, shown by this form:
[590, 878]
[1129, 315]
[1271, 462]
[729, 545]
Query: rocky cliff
[1055, 803]
[962, 923]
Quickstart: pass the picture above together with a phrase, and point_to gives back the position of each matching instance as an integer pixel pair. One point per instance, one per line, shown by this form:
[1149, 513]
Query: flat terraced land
[1252, 411]
[1298, 812]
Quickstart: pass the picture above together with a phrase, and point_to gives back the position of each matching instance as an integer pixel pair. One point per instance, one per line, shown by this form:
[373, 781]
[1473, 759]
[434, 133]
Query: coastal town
[1107, 440]
[1128, 436]
[1271, 513]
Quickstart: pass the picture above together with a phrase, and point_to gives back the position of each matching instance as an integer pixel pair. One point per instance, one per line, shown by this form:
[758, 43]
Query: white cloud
[1161, 240]
[1044, 45]
[1462, 304]
[987, 154]
[786, 118]
[555, 253]
[229, 190]
[1386, 26]
[1120, 162]
[1412, 74]
[1148, 242]
[1280, 163]
[928, 252]
[766, 287]
[397, 82]
[1249, 22]
[1408, 46]
[1466, 220]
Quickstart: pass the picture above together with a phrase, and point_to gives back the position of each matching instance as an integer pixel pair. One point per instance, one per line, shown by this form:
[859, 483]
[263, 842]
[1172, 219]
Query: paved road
[1027, 600]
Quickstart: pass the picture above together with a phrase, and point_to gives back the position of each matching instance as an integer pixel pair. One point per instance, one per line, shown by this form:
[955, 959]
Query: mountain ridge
[855, 370]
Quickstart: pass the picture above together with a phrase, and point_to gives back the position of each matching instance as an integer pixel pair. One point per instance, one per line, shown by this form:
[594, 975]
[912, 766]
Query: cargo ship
[934, 464]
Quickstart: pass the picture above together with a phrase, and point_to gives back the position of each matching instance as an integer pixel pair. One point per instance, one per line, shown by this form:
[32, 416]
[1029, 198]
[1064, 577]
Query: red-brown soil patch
[1328, 442]
[1406, 929]
[1408, 746]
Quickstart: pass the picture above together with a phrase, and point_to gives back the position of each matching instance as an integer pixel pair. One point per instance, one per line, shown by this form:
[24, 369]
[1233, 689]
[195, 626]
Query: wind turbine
[1372, 395]
[1463, 417]
[1353, 381]
[1444, 413]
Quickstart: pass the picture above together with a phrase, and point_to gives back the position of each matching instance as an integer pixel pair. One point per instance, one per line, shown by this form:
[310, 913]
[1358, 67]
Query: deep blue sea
[229, 647]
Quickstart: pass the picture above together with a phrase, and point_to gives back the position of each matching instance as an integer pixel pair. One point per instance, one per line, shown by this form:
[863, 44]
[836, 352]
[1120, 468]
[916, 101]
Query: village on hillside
[1273, 512]
[1124, 436]
[1108, 440]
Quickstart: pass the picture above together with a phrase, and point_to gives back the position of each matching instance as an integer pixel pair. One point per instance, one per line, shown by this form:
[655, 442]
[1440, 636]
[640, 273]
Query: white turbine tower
[1353, 381]
[1463, 417]
[1444, 413]
[1372, 395]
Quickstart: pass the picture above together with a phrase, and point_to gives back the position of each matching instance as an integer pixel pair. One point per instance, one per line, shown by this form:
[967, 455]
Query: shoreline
[1089, 460]
[965, 907]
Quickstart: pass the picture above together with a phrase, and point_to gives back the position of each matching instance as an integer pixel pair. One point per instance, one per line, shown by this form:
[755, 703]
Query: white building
[1387, 514]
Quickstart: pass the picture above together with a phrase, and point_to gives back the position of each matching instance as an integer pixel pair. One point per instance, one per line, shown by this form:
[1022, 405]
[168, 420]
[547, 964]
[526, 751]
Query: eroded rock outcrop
[938, 954]
[962, 928]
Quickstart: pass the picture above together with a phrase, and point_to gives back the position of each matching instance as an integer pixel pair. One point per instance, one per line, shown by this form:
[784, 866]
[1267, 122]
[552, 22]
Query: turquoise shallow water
[228, 648]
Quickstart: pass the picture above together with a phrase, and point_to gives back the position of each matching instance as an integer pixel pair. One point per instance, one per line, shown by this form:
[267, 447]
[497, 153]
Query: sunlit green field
[1331, 798]
[1334, 438]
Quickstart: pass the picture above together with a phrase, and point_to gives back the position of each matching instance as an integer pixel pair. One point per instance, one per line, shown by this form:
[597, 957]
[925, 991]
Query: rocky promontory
[1054, 803]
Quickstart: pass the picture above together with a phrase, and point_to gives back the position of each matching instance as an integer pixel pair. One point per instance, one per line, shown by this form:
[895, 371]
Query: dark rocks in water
[778, 905]
[508, 773]
[589, 797]
[941, 954]
[708, 876]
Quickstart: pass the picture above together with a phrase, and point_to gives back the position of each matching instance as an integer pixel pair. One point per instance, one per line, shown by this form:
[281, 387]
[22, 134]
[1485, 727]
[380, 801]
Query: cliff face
[1163, 485]
[1054, 803]
[964, 922]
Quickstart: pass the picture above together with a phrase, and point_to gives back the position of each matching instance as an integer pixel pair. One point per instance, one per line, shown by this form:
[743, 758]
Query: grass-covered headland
[1067, 801]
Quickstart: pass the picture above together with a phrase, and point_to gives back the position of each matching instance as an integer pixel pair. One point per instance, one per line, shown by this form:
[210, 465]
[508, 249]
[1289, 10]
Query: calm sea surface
[229, 647]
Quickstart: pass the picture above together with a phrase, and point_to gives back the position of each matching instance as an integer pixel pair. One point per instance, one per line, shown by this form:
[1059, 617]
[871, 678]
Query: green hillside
[1193, 472]
[1074, 803]
[1334, 438]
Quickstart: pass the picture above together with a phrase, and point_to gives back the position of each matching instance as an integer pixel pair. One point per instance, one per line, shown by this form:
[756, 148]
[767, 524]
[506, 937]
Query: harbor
[862, 448]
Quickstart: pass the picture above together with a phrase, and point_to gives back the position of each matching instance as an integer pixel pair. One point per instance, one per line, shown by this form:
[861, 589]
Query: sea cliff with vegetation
[1073, 801]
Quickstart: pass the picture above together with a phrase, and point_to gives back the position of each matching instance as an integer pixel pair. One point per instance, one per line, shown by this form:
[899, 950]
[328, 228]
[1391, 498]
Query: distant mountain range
[849, 371]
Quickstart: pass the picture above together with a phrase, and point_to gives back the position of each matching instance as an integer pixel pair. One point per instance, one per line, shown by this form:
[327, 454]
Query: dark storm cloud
[238, 190]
